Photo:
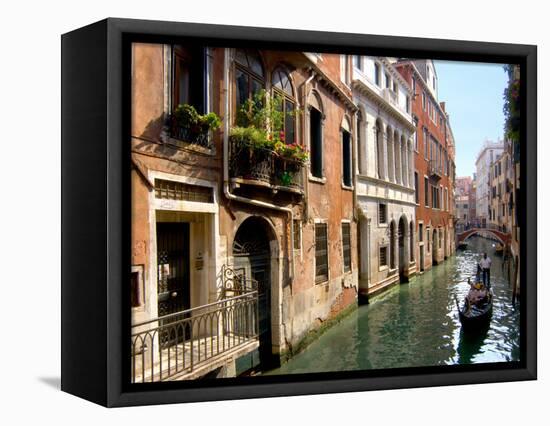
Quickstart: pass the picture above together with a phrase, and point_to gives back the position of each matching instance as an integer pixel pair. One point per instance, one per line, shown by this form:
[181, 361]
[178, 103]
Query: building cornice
[328, 83]
[385, 184]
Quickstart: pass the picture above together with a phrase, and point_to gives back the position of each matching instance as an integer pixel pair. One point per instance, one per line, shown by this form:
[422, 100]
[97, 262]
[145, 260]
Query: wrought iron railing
[173, 345]
[434, 169]
[265, 166]
[190, 136]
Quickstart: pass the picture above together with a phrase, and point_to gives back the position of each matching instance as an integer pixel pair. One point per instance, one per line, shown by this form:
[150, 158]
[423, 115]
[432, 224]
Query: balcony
[434, 170]
[390, 96]
[185, 136]
[265, 168]
[193, 342]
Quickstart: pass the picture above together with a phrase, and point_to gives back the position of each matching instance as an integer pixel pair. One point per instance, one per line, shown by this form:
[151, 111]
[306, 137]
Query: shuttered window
[346, 246]
[382, 213]
[321, 252]
[297, 237]
[383, 256]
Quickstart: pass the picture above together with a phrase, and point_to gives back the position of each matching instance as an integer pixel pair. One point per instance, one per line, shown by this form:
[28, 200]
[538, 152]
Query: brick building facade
[434, 165]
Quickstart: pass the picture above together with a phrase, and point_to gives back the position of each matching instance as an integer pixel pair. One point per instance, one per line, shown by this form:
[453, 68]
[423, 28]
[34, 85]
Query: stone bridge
[502, 237]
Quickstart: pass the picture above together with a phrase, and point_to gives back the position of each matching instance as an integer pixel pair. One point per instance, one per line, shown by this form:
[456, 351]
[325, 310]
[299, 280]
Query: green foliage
[512, 104]
[187, 117]
[250, 137]
[260, 123]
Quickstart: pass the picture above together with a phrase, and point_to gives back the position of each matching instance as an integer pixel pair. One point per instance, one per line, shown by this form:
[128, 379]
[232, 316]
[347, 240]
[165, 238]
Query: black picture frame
[95, 212]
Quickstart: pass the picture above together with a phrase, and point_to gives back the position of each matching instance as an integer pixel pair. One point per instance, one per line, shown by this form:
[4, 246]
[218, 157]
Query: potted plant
[192, 127]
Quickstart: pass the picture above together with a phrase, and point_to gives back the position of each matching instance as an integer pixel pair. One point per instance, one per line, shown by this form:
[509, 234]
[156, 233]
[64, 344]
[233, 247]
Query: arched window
[315, 116]
[249, 76]
[389, 151]
[283, 90]
[379, 149]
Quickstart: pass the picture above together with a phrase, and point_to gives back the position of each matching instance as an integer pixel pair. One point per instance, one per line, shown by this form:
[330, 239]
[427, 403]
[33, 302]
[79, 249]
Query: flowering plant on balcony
[191, 126]
[291, 151]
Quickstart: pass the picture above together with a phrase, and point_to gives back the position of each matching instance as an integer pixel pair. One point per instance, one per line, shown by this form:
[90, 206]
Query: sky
[472, 93]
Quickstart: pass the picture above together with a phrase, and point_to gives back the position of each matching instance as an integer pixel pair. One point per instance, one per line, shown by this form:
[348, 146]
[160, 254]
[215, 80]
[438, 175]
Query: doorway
[252, 260]
[173, 289]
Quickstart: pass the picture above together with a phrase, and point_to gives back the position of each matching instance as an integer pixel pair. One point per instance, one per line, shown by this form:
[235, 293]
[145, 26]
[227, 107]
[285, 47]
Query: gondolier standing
[485, 265]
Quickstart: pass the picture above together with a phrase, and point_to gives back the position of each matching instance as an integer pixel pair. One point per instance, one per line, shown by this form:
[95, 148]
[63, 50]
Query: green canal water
[416, 324]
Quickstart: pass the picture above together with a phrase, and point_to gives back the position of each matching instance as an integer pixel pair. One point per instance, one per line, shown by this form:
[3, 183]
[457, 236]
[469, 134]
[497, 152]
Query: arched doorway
[411, 241]
[402, 232]
[252, 260]
[446, 244]
[434, 247]
[392, 245]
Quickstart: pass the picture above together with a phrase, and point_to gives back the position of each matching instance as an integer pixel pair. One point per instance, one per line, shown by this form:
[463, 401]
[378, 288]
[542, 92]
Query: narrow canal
[416, 324]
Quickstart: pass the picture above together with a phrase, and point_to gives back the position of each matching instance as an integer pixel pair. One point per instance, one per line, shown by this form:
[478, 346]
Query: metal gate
[172, 278]
[252, 261]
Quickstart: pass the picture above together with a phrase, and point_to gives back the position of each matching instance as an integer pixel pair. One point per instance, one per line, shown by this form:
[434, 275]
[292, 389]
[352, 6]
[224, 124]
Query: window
[426, 189]
[382, 213]
[414, 86]
[379, 151]
[346, 246]
[297, 236]
[377, 74]
[428, 240]
[283, 90]
[408, 104]
[416, 134]
[383, 257]
[345, 64]
[249, 78]
[171, 190]
[420, 232]
[316, 143]
[426, 142]
[189, 77]
[135, 294]
[416, 194]
[388, 81]
[321, 253]
[424, 101]
[346, 158]
[395, 87]
[358, 62]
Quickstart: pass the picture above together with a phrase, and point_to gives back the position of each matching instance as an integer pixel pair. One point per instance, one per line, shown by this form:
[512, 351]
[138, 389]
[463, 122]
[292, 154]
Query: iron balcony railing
[434, 169]
[266, 167]
[174, 345]
[190, 136]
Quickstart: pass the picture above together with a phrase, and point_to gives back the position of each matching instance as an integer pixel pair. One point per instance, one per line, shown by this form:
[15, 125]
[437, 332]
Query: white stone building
[489, 152]
[385, 174]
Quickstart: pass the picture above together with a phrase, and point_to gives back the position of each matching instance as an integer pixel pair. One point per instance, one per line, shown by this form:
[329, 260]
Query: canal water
[416, 324]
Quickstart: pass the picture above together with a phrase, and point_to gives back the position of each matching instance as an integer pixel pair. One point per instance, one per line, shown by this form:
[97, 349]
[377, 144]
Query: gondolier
[485, 265]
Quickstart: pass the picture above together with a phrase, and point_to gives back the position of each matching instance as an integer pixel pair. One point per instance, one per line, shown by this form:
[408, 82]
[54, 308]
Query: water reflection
[416, 324]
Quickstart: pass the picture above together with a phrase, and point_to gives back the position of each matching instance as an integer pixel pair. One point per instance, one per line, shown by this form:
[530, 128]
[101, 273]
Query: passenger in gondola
[477, 295]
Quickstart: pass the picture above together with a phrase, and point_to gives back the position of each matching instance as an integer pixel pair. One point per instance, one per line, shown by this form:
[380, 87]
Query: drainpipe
[226, 189]
[304, 130]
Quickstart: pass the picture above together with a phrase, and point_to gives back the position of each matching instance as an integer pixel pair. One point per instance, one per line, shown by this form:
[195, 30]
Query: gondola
[463, 245]
[475, 317]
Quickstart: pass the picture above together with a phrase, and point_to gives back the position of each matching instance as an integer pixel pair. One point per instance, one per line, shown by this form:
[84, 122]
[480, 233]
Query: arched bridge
[503, 237]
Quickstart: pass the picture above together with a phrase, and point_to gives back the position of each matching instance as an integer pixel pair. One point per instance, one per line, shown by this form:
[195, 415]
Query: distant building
[463, 202]
[489, 152]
